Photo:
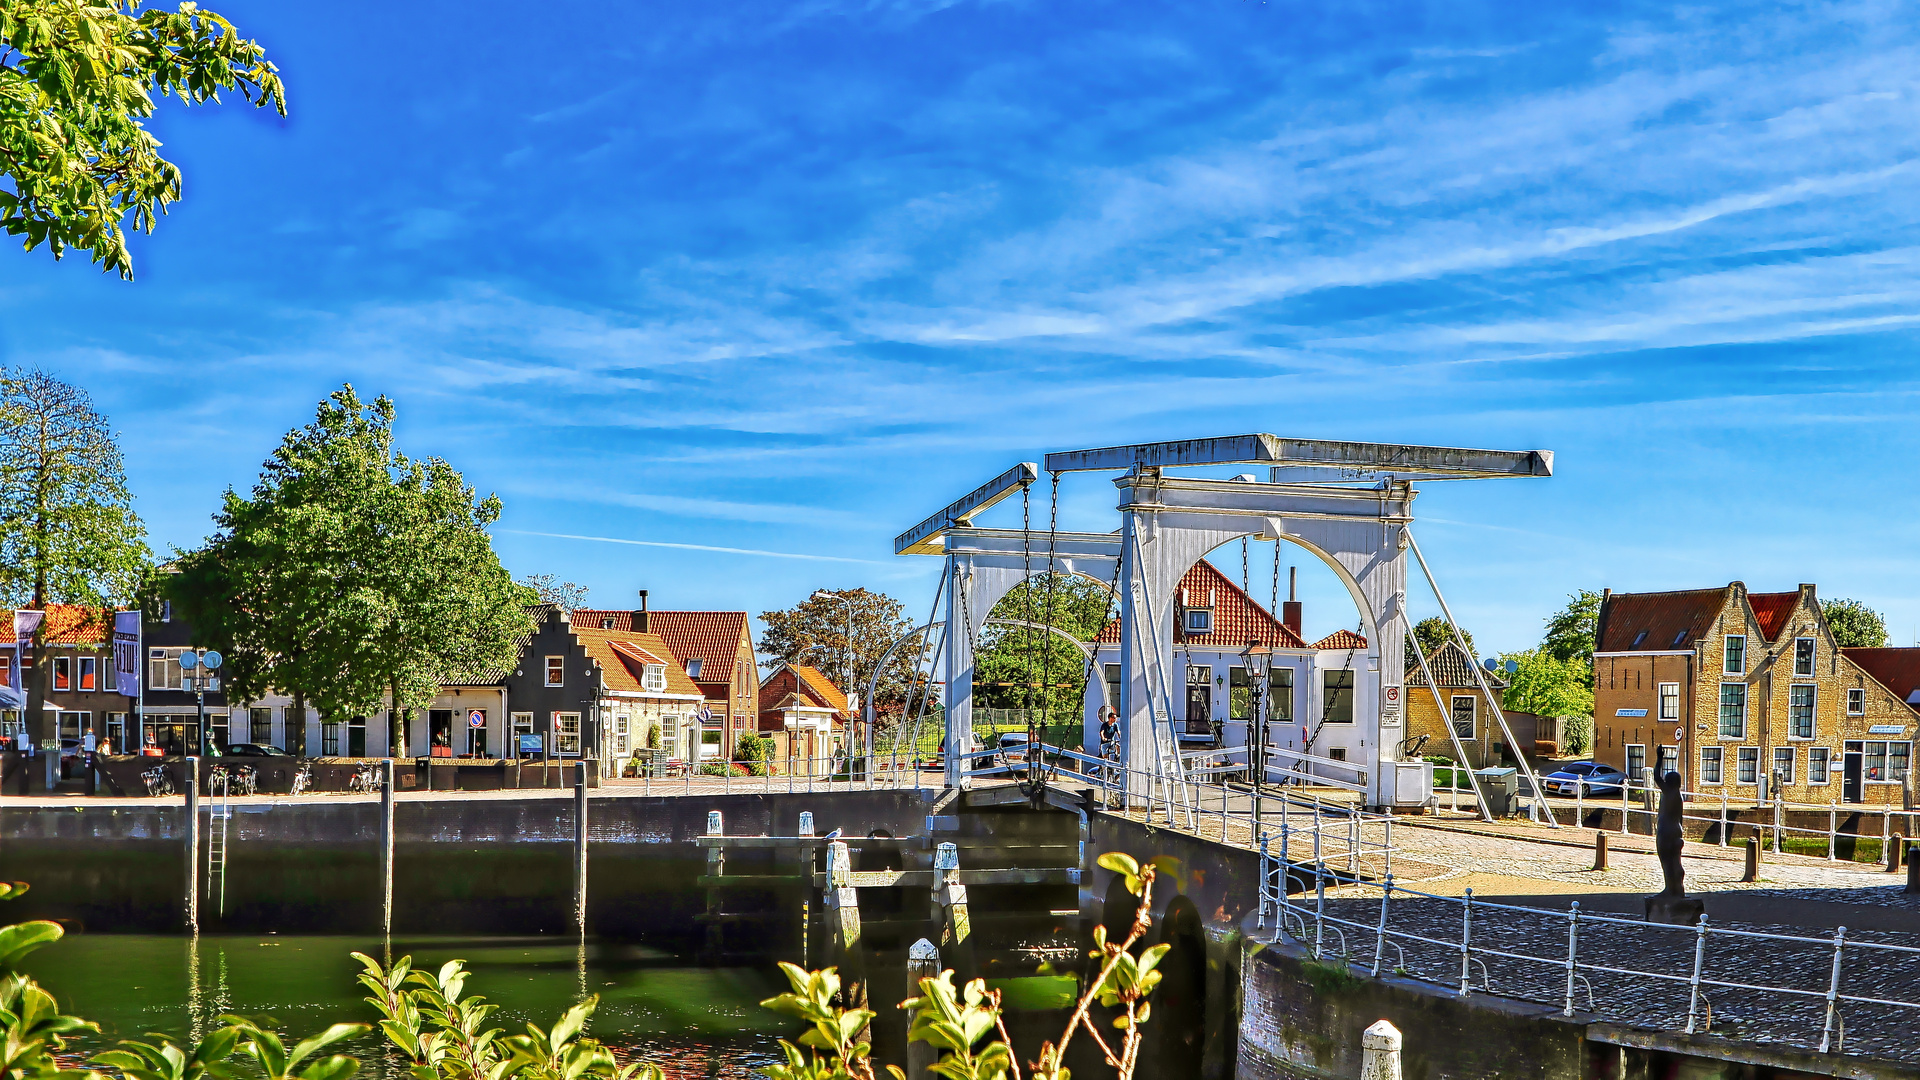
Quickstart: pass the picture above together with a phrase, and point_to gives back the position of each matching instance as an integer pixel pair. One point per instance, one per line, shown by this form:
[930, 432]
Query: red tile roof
[1670, 620]
[1341, 639]
[1237, 617]
[1772, 609]
[712, 637]
[624, 658]
[1897, 669]
[807, 682]
[68, 624]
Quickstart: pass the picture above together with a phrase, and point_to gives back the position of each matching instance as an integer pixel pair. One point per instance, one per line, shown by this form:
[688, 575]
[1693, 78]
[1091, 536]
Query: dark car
[1588, 776]
[247, 749]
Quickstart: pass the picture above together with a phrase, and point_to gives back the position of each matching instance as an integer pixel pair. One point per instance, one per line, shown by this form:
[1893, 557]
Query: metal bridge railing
[1454, 937]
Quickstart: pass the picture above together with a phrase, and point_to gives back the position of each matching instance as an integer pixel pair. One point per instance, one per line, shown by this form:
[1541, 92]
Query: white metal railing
[1310, 924]
[1715, 809]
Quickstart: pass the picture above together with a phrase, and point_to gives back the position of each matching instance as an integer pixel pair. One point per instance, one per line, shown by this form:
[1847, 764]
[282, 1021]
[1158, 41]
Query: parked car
[247, 749]
[1012, 747]
[1588, 776]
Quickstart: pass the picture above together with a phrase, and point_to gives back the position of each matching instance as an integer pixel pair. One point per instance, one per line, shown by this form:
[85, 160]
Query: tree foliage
[68, 533]
[353, 573]
[549, 589]
[1020, 667]
[814, 632]
[77, 78]
[1546, 685]
[1570, 630]
[1430, 633]
[1854, 624]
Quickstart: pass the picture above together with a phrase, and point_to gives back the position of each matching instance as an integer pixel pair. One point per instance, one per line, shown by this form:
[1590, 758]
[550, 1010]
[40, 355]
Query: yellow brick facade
[1734, 712]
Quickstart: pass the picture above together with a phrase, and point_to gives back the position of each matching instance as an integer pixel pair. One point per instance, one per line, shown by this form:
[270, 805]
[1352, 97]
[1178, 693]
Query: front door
[1850, 778]
[1200, 710]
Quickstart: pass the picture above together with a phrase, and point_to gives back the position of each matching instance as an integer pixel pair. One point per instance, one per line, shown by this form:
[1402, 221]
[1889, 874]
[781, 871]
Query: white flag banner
[25, 623]
[126, 652]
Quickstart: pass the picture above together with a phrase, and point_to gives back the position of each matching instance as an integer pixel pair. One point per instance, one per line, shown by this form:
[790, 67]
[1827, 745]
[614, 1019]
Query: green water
[694, 1022]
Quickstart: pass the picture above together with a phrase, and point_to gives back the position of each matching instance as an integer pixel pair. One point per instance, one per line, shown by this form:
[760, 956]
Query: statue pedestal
[1675, 910]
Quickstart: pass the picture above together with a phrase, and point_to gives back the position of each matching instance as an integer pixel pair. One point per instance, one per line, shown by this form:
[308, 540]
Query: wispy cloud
[701, 547]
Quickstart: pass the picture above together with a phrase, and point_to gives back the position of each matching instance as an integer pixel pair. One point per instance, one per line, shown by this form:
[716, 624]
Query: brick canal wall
[462, 865]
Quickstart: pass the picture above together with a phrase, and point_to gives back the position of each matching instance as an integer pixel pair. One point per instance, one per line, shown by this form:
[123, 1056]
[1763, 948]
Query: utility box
[1412, 783]
[1501, 788]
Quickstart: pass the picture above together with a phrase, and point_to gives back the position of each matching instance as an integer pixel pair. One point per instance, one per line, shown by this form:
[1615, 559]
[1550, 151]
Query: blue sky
[788, 277]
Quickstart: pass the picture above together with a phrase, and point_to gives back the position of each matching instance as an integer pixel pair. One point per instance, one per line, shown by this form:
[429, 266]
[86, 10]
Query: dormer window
[1679, 639]
[693, 668]
[1637, 639]
[655, 678]
[1199, 620]
[606, 622]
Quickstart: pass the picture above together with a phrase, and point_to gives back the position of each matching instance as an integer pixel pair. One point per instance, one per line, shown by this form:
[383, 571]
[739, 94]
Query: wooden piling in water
[950, 900]
[716, 868]
[386, 847]
[843, 915]
[193, 844]
[923, 962]
[580, 848]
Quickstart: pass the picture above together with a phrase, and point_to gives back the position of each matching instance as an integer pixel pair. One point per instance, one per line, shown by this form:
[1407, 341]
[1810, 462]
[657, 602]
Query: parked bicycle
[365, 779]
[246, 780]
[158, 781]
[303, 778]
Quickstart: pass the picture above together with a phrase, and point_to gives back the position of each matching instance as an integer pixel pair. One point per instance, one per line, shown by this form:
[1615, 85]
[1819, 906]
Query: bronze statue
[1672, 904]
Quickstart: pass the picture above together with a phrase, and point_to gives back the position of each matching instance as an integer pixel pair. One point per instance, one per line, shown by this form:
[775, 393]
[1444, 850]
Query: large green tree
[1017, 665]
[1854, 624]
[68, 533]
[1570, 630]
[1432, 632]
[814, 632]
[77, 80]
[353, 577]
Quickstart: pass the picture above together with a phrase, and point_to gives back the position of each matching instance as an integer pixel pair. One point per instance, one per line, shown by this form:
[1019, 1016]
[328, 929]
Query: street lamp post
[861, 738]
[1258, 659]
[198, 666]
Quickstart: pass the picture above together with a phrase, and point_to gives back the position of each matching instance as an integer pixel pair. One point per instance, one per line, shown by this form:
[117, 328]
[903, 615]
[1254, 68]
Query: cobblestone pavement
[1524, 954]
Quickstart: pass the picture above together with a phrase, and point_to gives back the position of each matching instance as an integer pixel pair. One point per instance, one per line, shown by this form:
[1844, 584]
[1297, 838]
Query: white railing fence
[1611, 966]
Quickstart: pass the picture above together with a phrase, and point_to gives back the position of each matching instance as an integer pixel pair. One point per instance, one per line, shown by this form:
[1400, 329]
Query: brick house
[81, 693]
[596, 693]
[715, 650]
[804, 714]
[1729, 687]
[1466, 708]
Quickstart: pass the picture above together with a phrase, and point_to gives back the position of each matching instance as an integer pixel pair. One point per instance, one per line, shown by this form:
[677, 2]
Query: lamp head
[1258, 658]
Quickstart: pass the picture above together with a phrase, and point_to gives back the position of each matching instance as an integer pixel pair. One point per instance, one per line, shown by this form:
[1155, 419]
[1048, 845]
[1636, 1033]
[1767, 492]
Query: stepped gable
[1237, 617]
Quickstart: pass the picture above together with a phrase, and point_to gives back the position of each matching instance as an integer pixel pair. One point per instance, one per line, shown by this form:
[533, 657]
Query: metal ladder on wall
[220, 812]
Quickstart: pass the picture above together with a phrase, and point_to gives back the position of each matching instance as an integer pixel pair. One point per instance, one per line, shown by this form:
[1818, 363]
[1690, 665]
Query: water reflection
[693, 1022]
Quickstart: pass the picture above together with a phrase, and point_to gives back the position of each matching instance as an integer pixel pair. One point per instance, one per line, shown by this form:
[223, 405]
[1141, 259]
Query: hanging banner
[126, 652]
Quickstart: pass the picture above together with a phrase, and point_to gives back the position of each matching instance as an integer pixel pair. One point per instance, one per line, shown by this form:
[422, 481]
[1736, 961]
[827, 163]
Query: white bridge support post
[1380, 1052]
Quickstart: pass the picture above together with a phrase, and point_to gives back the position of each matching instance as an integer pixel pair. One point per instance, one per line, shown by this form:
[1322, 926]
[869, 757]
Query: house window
[1669, 701]
[63, 673]
[1280, 693]
[1749, 762]
[260, 726]
[522, 725]
[330, 739]
[89, 678]
[1783, 763]
[1882, 762]
[1736, 654]
[1712, 759]
[117, 730]
[693, 668]
[556, 671]
[620, 743]
[1857, 701]
[1336, 753]
[163, 669]
[1636, 762]
[1817, 764]
[655, 678]
[1733, 710]
[1463, 716]
[1803, 656]
[1199, 675]
[1666, 760]
[566, 728]
[606, 622]
[1113, 686]
[1199, 621]
[1800, 711]
[670, 736]
[1336, 688]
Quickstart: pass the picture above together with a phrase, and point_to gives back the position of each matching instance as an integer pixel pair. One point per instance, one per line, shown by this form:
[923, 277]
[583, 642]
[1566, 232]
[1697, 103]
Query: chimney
[1290, 611]
[640, 617]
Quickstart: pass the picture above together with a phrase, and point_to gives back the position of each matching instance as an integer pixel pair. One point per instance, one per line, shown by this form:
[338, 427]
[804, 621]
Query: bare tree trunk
[297, 726]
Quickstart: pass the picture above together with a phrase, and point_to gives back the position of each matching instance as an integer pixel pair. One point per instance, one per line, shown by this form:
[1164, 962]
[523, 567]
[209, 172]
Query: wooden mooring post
[923, 962]
[950, 900]
[843, 916]
[193, 844]
[386, 847]
[580, 848]
[1380, 1052]
[716, 868]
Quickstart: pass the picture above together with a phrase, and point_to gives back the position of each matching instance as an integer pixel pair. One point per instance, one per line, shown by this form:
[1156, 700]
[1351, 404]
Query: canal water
[693, 1022]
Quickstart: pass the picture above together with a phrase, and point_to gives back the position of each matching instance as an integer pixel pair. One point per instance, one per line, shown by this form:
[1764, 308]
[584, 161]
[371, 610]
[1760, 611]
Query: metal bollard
[1599, 851]
[1380, 1052]
[1913, 869]
[1752, 872]
[1896, 853]
[386, 847]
